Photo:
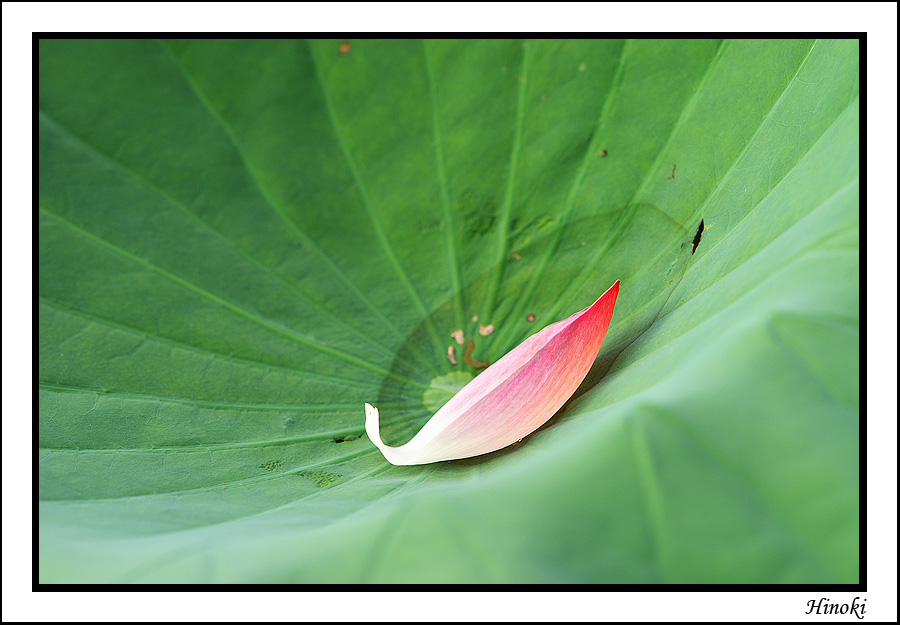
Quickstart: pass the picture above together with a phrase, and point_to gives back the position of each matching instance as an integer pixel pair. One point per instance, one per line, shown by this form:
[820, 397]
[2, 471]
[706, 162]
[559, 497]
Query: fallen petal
[511, 398]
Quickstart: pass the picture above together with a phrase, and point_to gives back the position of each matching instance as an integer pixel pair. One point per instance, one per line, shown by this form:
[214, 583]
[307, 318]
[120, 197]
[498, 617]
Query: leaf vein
[234, 308]
[450, 232]
[293, 225]
[377, 227]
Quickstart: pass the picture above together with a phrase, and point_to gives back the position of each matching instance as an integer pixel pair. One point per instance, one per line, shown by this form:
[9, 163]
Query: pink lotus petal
[511, 398]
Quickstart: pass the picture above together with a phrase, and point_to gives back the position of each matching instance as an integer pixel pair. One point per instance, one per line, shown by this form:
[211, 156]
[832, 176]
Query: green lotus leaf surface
[241, 242]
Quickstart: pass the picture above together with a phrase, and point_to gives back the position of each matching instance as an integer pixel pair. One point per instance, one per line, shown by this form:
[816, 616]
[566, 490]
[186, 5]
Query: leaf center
[443, 387]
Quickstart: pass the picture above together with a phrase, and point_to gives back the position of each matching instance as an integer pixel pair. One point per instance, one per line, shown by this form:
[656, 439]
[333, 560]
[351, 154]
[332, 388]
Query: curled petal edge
[511, 398]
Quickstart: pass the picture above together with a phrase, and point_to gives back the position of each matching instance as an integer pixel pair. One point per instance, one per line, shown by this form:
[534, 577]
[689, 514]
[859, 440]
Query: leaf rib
[653, 503]
[201, 350]
[734, 469]
[795, 257]
[232, 483]
[270, 325]
[715, 193]
[551, 248]
[273, 442]
[490, 298]
[628, 214]
[205, 351]
[307, 242]
[200, 403]
[451, 235]
[303, 297]
[377, 227]
[709, 250]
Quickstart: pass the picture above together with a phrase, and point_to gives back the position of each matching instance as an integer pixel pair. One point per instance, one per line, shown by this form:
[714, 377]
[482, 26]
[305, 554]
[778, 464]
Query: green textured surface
[242, 242]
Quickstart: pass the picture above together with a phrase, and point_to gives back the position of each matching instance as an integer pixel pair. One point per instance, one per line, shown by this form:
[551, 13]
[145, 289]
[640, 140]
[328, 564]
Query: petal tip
[372, 424]
[612, 293]
[390, 453]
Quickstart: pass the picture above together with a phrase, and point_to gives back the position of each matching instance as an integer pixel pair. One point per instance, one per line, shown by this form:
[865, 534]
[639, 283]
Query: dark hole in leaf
[344, 439]
[697, 236]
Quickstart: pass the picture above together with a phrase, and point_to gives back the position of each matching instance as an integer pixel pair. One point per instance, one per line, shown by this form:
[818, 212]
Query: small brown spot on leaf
[475, 318]
[451, 355]
[672, 177]
[503, 69]
[467, 357]
[344, 48]
[516, 256]
[529, 318]
[604, 154]
[584, 242]
[484, 330]
[459, 336]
